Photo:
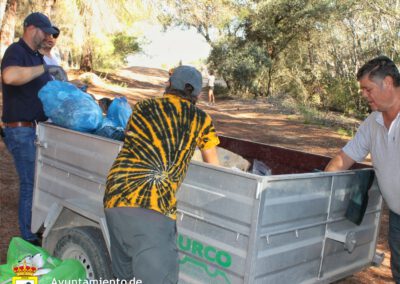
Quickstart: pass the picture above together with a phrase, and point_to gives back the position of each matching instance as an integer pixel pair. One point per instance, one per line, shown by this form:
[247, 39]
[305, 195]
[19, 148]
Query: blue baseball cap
[183, 75]
[40, 21]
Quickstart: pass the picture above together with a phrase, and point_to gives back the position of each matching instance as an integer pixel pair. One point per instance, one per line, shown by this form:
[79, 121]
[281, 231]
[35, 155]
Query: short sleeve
[209, 138]
[359, 147]
[11, 58]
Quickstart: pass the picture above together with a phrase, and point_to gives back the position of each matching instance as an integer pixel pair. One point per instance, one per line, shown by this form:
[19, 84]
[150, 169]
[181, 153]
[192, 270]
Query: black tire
[87, 245]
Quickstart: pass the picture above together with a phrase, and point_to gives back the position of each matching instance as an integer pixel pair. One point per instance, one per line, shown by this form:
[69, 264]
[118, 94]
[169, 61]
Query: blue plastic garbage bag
[110, 130]
[68, 106]
[119, 112]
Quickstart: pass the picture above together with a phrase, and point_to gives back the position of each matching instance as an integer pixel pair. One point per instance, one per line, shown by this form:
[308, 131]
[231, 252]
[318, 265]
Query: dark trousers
[394, 244]
[143, 245]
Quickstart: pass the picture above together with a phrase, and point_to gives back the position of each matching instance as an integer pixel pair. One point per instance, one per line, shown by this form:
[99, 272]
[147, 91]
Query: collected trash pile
[234, 161]
[69, 107]
[25, 261]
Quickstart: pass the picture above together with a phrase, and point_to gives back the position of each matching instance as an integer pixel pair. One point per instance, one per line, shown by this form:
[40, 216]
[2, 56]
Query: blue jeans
[394, 244]
[20, 141]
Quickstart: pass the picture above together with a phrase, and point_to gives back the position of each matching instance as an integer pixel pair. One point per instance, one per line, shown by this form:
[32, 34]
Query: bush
[111, 51]
[221, 91]
[342, 95]
[124, 45]
[242, 65]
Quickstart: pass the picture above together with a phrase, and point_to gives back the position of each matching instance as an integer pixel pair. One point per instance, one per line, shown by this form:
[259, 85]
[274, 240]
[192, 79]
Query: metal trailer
[233, 227]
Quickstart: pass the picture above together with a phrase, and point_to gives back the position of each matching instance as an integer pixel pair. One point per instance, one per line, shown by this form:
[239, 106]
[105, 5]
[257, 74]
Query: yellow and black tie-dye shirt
[161, 137]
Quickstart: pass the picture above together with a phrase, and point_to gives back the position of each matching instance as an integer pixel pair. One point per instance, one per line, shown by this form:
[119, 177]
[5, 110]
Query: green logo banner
[207, 253]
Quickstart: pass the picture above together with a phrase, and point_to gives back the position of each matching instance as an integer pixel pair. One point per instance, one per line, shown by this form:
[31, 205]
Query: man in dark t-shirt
[23, 74]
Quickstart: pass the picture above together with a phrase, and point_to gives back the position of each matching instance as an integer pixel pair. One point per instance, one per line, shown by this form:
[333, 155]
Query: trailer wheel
[86, 244]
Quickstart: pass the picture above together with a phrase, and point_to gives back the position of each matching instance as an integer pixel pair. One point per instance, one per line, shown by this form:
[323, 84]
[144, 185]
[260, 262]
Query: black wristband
[46, 68]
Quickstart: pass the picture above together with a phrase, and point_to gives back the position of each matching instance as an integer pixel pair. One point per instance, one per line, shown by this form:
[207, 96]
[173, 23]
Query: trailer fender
[68, 214]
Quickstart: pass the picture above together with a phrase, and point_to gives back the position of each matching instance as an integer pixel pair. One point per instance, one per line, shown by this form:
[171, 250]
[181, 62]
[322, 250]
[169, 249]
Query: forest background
[308, 50]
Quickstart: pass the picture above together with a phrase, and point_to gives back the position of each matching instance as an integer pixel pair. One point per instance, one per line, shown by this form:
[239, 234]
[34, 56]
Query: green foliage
[124, 45]
[314, 49]
[211, 18]
[242, 66]
[86, 80]
[345, 132]
[277, 23]
[101, 31]
[110, 52]
[103, 53]
[310, 114]
[221, 91]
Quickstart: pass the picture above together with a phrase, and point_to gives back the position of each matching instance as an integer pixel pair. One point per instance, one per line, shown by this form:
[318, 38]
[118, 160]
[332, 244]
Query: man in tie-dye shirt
[140, 197]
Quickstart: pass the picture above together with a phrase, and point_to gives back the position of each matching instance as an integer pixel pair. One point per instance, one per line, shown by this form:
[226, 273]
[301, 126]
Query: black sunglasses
[55, 35]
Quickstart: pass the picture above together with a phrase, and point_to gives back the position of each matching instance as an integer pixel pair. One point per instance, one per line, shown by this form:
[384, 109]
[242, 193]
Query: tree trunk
[310, 50]
[269, 80]
[3, 4]
[86, 60]
[86, 63]
[48, 7]
[8, 26]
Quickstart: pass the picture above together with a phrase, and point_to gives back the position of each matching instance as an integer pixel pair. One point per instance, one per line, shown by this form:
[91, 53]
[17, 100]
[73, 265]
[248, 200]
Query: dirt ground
[256, 120]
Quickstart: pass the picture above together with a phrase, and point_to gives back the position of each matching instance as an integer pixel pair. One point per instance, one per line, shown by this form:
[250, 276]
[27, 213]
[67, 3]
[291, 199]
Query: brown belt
[19, 124]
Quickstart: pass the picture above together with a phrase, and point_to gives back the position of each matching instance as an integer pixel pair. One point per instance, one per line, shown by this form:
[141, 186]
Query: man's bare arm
[339, 163]
[210, 156]
[17, 75]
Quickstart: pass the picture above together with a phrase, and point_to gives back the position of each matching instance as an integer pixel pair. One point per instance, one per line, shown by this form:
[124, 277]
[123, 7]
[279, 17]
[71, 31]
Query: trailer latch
[347, 238]
[42, 144]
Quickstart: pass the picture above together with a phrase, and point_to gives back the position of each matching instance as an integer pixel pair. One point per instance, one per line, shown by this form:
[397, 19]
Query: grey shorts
[143, 245]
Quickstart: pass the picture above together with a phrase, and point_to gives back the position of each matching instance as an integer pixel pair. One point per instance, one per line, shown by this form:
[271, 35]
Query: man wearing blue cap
[139, 201]
[23, 74]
